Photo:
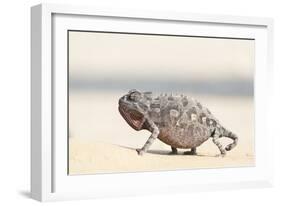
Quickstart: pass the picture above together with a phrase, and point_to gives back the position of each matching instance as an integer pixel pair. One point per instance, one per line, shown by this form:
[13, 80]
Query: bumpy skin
[177, 120]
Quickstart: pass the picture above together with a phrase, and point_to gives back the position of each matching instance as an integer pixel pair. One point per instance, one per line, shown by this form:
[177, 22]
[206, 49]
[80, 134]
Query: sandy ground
[102, 142]
[88, 157]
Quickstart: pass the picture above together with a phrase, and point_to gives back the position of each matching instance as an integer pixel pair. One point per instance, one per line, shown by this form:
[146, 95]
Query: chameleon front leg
[153, 136]
[218, 144]
[174, 150]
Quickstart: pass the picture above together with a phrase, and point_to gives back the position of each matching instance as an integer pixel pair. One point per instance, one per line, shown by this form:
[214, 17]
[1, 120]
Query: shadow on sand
[166, 152]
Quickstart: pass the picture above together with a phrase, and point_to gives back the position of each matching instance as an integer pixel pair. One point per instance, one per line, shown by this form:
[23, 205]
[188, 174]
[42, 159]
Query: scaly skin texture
[177, 120]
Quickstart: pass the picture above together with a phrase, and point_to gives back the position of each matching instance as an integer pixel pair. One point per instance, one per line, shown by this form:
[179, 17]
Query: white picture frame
[49, 179]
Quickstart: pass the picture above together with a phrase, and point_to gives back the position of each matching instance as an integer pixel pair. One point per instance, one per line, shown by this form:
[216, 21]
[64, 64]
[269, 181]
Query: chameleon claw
[172, 153]
[220, 155]
[140, 152]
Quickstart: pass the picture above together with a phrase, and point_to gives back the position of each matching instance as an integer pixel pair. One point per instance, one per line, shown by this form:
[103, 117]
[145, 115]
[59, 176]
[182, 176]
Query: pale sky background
[149, 56]
[159, 63]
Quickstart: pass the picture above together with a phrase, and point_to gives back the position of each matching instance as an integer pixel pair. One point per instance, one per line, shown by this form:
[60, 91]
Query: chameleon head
[133, 107]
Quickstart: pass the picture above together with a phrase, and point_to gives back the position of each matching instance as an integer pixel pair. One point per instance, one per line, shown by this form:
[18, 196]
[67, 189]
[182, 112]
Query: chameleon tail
[231, 135]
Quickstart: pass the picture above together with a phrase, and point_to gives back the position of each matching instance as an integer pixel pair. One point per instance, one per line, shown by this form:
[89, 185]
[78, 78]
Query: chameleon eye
[135, 96]
[130, 97]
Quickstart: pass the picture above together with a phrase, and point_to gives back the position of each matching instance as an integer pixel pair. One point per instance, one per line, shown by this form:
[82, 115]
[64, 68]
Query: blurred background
[105, 66]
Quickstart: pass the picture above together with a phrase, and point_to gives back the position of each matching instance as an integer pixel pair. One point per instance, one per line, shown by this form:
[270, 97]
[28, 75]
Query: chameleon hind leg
[191, 152]
[216, 137]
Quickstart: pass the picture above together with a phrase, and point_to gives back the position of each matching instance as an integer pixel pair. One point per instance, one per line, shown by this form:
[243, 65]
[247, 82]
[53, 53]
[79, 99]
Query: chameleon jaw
[133, 118]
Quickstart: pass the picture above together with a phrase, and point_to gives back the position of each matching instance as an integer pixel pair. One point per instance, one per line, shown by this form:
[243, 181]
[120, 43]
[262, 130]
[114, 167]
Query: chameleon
[180, 121]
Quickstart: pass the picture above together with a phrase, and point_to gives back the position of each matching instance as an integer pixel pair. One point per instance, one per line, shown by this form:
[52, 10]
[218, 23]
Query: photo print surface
[144, 102]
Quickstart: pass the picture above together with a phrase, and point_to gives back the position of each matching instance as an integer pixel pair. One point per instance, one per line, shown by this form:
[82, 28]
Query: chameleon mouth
[133, 118]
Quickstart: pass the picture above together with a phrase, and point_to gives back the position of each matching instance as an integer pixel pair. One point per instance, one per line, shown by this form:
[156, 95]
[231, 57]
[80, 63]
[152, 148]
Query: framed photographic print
[136, 102]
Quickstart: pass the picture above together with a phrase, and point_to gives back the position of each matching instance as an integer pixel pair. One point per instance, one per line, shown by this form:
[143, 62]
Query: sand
[89, 157]
[102, 142]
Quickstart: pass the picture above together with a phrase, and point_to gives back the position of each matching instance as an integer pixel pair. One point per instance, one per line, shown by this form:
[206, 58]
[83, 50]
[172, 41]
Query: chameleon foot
[192, 152]
[221, 155]
[140, 152]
